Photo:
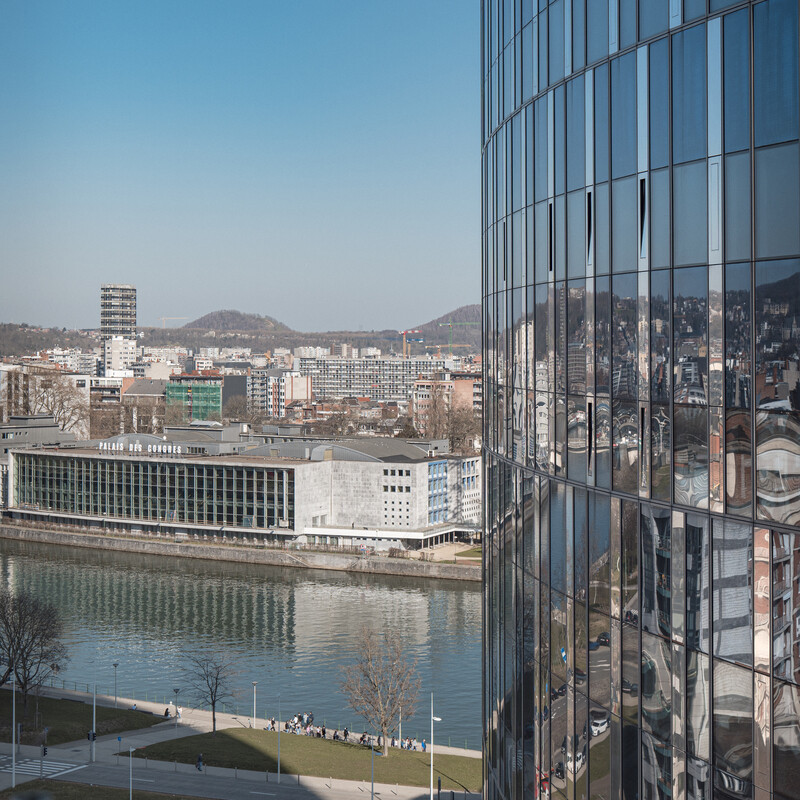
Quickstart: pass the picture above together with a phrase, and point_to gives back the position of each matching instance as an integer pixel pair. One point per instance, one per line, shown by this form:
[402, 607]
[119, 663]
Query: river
[289, 629]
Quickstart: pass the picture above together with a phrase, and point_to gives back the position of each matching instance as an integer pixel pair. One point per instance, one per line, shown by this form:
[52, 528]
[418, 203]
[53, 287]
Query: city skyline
[192, 149]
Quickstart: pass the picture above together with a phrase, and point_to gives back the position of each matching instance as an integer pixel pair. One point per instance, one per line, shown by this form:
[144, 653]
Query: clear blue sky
[314, 160]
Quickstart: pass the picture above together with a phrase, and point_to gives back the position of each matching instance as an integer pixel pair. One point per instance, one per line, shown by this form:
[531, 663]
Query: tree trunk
[385, 733]
[214, 719]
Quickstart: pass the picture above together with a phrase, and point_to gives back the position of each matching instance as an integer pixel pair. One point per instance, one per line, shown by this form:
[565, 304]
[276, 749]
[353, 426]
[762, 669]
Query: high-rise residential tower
[117, 310]
[641, 291]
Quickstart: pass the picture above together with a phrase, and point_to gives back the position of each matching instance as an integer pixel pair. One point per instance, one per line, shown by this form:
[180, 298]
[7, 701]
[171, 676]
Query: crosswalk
[32, 766]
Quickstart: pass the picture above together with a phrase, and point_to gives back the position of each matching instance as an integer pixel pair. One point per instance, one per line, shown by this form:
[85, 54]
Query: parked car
[604, 639]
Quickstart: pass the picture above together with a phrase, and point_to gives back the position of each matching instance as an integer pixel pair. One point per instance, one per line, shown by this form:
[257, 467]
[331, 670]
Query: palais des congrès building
[641, 295]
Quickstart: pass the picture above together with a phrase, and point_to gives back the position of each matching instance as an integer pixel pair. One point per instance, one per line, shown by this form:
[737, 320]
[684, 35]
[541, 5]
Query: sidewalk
[110, 769]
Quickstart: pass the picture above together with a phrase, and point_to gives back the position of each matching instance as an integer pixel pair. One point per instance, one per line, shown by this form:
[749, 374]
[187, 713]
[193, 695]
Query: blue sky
[316, 161]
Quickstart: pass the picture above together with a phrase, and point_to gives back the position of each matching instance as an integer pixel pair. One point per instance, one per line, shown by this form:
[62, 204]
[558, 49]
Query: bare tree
[51, 392]
[463, 429]
[382, 682]
[209, 678]
[30, 640]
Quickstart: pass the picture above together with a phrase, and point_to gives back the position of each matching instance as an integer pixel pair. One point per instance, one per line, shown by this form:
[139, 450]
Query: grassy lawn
[473, 552]
[258, 750]
[80, 791]
[67, 720]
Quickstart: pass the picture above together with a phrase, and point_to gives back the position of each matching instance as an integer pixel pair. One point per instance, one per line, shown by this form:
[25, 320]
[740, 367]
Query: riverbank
[246, 554]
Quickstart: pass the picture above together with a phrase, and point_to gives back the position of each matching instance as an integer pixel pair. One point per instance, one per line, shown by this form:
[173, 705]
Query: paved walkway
[70, 762]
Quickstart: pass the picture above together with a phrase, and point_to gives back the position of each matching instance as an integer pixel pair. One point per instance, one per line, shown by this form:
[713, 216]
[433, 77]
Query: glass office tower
[641, 295]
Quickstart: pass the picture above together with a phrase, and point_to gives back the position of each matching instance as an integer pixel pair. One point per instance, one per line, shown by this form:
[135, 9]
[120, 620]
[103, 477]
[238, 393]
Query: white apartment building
[119, 354]
[271, 390]
[384, 378]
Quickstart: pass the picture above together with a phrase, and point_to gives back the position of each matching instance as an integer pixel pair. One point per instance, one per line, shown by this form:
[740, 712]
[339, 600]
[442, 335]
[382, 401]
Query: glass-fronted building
[641, 296]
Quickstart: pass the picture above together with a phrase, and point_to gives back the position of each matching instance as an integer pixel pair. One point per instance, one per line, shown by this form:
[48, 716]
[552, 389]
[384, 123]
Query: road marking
[145, 780]
[268, 794]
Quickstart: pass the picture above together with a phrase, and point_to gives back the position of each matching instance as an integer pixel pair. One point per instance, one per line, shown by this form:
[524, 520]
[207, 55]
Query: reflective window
[624, 225]
[698, 779]
[689, 94]
[558, 538]
[576, 138]
[625, 449]
[658, 101]
[576, 234]
[777, 201]
[629, 776]
[732, 574]
[736, 90]
[660, 216]
[785, 606]
[690, 456]
[786, 738]
[599, 753]
[601, 232]
[690, 213]
[698, 690]
[653, 17]
[656, 687]
[556, 44]
[656, 769]
[630, 562]
[737, 206]
[661, 447]
[601, 123]
[697, 583]
[576, 337]
[656, 570]
[560, 138]
[660, 337]
[580, 522]
[690, 323]
[597, 30]
[733, 725]
[623, 115]
[540, 146]
[775, 83]
[602, 336]
[599, 555]
[624, 376]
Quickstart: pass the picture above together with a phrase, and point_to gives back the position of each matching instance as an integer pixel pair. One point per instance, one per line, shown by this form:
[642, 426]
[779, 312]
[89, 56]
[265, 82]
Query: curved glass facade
[641, 306]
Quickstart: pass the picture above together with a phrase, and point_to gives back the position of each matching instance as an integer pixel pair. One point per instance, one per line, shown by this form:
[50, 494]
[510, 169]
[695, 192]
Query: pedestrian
[423, 746]
[346, 734]
[414, 744]
[166, 713]
[394, 743]
[180, 713]
[323, 732]
[199, 764]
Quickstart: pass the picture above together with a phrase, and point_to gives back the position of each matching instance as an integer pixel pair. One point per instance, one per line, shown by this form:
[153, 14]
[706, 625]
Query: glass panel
[736, 67]
[599, 753]
[623, 115]
[576, 135]
[777, 202]
[630, 562]
[678, 696]
[603, 442]
[576, 438]
[540, 145]
[624, 333]
[656, 687]
[690, 214]
[660, 339]
[558, 540]
[653, 17]
[785, 578]
[559, 137]
[556, 44]
[689, 95]
[733, 726]
[601, 120]
[602, 336]
[599, 555]
[576, 234]
[778, 466]
[761, 599]
[576, 338]
[601, 229]
[659, 100]
[661, 443]
[737, 206]
[656, 570]
[597, 29]
[660, 214]
[624, 225]
[630, 762]
[691, 336]
[691, 456]
[698, 779]
[625, 437]
[775, 83]
[698, 691]
[732, 568]
[697, 582]
[786, 739]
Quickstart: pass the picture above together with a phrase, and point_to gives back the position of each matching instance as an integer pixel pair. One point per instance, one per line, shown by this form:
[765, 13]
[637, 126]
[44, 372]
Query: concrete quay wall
[245, 554]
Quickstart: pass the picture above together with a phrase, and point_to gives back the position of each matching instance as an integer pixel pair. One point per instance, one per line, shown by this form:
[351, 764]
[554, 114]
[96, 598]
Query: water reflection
[289, 629]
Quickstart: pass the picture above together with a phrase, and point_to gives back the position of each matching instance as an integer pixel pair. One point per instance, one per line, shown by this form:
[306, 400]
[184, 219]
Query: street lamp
[115, 665]
[176, 690]
[255, 683]
[279, 738]
[433, 719]
[13, 729]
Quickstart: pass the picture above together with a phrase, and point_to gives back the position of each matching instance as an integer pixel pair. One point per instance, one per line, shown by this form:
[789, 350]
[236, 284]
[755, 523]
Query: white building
[119, 354]
[271, 390]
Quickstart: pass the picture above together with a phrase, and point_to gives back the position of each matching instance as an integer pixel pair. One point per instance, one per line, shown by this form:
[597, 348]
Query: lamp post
[433, 719]
[115, 665]
[130, 772]
[176, 690]
[255, 683]
[94, 710]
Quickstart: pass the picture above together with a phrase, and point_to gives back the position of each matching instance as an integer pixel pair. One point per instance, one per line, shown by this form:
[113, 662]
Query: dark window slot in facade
[550, 238]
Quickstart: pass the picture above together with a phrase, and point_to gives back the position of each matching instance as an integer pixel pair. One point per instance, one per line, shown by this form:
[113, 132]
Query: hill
[466, 322]
[229, 320]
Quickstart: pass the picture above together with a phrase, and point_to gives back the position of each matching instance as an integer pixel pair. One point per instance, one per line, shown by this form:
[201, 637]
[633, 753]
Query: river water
[289, 629]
